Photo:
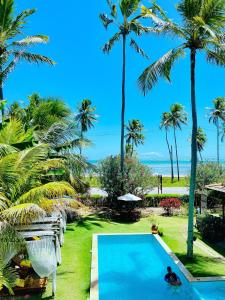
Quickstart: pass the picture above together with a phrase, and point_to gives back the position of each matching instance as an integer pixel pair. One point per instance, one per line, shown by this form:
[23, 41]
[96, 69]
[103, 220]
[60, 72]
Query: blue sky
[83, 71]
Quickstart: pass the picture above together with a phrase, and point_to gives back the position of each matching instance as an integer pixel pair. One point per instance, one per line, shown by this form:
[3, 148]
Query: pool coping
[94, 292]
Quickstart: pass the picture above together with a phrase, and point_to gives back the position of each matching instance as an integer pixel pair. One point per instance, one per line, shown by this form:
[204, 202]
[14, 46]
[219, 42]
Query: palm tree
[127, 25]
[201, 31]
[177, 117]
[85, 118]
[217, 113]
[12, 49]
[24, 197]
[166, 126]
[201, 141]
[134, 136]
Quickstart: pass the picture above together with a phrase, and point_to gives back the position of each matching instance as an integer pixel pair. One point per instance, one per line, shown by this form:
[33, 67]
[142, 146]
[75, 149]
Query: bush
[153, 200]
[211, 228]
[136, 178]
[208, 173]
[170, 204]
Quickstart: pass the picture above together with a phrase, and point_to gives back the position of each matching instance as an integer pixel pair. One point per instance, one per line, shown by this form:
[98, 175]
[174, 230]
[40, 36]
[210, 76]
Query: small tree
[208, 173]
[170, 204]
[135, 179]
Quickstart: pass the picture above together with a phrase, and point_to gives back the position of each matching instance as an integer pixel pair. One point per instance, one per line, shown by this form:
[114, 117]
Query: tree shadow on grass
[89, 222]
[200, 266]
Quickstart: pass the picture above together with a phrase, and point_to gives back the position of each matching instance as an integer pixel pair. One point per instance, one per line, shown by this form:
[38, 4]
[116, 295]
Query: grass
[183, 182]
[73, 276]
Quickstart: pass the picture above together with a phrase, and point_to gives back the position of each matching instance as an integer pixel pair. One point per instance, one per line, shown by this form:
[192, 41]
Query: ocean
[162, 167]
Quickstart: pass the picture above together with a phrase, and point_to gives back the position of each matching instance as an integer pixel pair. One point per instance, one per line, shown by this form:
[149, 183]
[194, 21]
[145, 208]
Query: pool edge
[94, 291]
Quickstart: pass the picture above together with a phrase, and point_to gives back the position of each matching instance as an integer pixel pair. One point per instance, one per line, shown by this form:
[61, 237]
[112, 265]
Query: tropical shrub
[211, 228]
[208, 173]
[135, 179]
[169, 205]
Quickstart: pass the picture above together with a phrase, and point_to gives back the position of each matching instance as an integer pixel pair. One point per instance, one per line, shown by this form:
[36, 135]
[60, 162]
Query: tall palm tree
[166, 126]
[201, 31]
[85, 118]
[201, 141]
[127, 25]
[177, 117]
[217, 113]
[12, 47]
[134, 136]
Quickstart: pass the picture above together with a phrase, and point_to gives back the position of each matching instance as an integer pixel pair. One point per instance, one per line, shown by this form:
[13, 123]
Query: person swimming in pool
[172, 277]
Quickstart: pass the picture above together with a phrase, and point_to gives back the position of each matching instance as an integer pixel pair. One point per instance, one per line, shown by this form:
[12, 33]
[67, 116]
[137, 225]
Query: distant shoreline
[163, 167]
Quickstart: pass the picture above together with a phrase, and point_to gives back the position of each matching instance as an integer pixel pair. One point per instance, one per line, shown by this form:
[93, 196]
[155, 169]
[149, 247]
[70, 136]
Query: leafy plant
[170, 204]
[136, 177]
[209, 173]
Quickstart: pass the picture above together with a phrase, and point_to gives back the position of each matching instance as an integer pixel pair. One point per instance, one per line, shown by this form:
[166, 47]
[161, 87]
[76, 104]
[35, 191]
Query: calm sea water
[162, 167]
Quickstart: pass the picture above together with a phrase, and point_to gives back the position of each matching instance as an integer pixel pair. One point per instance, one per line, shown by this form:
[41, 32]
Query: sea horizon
[162, 167]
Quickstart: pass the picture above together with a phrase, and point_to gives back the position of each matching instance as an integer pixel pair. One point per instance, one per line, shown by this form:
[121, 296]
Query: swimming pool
[132, 267]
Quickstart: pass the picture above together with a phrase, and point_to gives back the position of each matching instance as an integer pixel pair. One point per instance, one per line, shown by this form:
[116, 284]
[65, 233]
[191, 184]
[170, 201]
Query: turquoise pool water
[132, 267]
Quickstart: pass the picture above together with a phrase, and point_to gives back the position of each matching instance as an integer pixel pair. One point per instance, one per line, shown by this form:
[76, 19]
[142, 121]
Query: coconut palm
[202, 30]
[134, 136]
[201, 141]
[85, 118]
[23, 193]
[14, 134]
[166, 126]
[128, 24]
[177, 117]
[13, 46]
[216, 114]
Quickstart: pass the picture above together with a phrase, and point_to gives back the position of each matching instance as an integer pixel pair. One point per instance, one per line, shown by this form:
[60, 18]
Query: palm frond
[160, 68]
[216, 56]
[60, 204]
[29, 157]
[6, 149]
[105, 20]
[13, 133]
[4, 202]
[33, 57]
[49, 190]
[135, 46]
[30, 40]
[128, 7]
[17, 24]
[8, 277]
[24, 213]
[109, 45]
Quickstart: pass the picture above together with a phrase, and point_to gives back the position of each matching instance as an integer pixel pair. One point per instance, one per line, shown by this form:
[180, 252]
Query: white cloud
[151, 154]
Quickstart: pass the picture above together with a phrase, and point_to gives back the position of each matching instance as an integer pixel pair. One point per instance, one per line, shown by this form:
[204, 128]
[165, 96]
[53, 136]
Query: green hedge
[154, 199]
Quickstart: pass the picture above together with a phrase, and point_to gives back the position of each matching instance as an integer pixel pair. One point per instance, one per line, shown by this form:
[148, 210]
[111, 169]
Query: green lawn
[73, 276]
[183, 182]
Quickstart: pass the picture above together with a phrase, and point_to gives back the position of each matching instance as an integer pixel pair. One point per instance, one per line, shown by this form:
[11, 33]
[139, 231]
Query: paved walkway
[166, 190]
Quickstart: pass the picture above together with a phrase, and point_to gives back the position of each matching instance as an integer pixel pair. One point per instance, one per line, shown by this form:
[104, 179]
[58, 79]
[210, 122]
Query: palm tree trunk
[123, 105]
[218, 140]
[170, 155]
[81, 136]
[132, 148]
[171, 151]
[200, 154]
[175, 140]
[1, 98]
[193, 158]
